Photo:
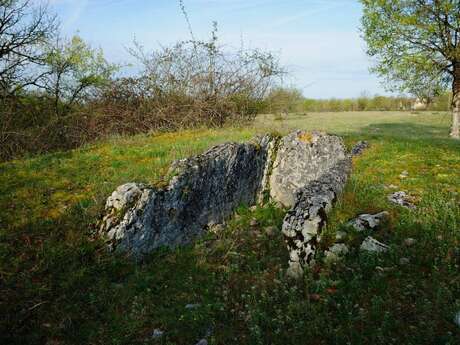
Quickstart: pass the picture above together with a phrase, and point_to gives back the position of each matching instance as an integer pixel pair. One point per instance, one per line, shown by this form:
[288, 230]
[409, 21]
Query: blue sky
[318, 40]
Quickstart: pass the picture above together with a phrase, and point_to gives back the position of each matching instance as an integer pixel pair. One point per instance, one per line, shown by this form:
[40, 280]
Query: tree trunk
[455, 132]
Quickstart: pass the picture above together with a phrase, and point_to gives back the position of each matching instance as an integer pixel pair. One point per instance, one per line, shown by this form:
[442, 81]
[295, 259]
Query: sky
[317, 40]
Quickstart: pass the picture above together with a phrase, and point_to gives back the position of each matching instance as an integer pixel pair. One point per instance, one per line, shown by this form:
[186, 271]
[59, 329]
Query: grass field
[58, 285]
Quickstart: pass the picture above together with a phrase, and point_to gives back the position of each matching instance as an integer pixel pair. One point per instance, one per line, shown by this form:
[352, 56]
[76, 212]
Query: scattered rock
[404, 261]
[271, 231]
[253, 208]
[341, 236]
[359, 148]
[368, 221]
[404, 174]
[157, 333]
[457, 319]
[384, 269]
[409, 242]
[192, 306]
[295, 270]
[401, 199]
[391, 186]
[217, 228]
[202, 342]
[370, 244]
[335, 252]
[253, 222]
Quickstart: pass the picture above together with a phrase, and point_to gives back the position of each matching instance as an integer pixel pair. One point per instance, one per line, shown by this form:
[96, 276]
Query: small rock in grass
[409, 242]
[295, 270]
[157, 333]
[192, 306]
[402, 199]
[457, 319]
[270, 231]
[384, 269]
[335, 252]
[340, 236]
[404, 261]
[202, 342]
[253, 208]
[391, 186]
[216, 228]
[253, 222]
[404, 174]
[370, 244]
[359, 148]
[368, 221]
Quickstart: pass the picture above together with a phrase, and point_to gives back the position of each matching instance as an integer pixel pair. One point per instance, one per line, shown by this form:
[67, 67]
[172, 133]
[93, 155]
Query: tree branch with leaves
[416, 47]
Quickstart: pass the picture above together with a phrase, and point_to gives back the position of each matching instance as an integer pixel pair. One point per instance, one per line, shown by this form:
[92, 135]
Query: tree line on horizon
[291, 100]
[59, 93]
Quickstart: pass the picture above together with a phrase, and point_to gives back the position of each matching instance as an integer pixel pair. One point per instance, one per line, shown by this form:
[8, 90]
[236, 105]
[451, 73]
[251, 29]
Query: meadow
[59, 285]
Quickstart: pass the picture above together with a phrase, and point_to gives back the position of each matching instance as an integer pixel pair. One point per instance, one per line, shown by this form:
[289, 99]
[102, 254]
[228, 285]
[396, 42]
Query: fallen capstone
[368, 221]
[303, 171]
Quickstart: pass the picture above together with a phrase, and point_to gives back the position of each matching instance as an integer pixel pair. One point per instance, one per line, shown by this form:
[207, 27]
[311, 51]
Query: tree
[74, 71]
[23, 29]
[416, 44]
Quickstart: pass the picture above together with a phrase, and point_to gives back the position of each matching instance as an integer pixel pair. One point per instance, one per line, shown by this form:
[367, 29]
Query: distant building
[420, 104]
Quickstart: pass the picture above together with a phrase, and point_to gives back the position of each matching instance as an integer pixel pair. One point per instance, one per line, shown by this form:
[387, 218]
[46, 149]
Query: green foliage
[285, 100]
[362, 103]
[415, 43]
[75, 71]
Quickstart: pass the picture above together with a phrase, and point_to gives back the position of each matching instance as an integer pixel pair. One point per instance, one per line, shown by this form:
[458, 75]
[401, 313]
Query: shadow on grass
[59, 284]
[407, 131]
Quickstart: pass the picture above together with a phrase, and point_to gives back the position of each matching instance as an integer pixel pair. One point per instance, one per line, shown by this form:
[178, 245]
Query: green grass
[58, 285]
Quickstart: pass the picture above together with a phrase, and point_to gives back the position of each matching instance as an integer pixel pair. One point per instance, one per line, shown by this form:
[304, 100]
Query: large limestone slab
[203, 189]
[302, 158]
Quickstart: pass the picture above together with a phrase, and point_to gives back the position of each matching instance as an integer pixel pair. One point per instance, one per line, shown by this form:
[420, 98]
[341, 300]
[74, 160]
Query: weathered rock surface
[368, 221]
[204, 189]
[302, 158]
[303, 171]
[303, 224]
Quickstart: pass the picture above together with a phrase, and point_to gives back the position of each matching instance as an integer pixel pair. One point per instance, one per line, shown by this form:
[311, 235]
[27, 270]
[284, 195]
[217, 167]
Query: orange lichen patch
[305, 137]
